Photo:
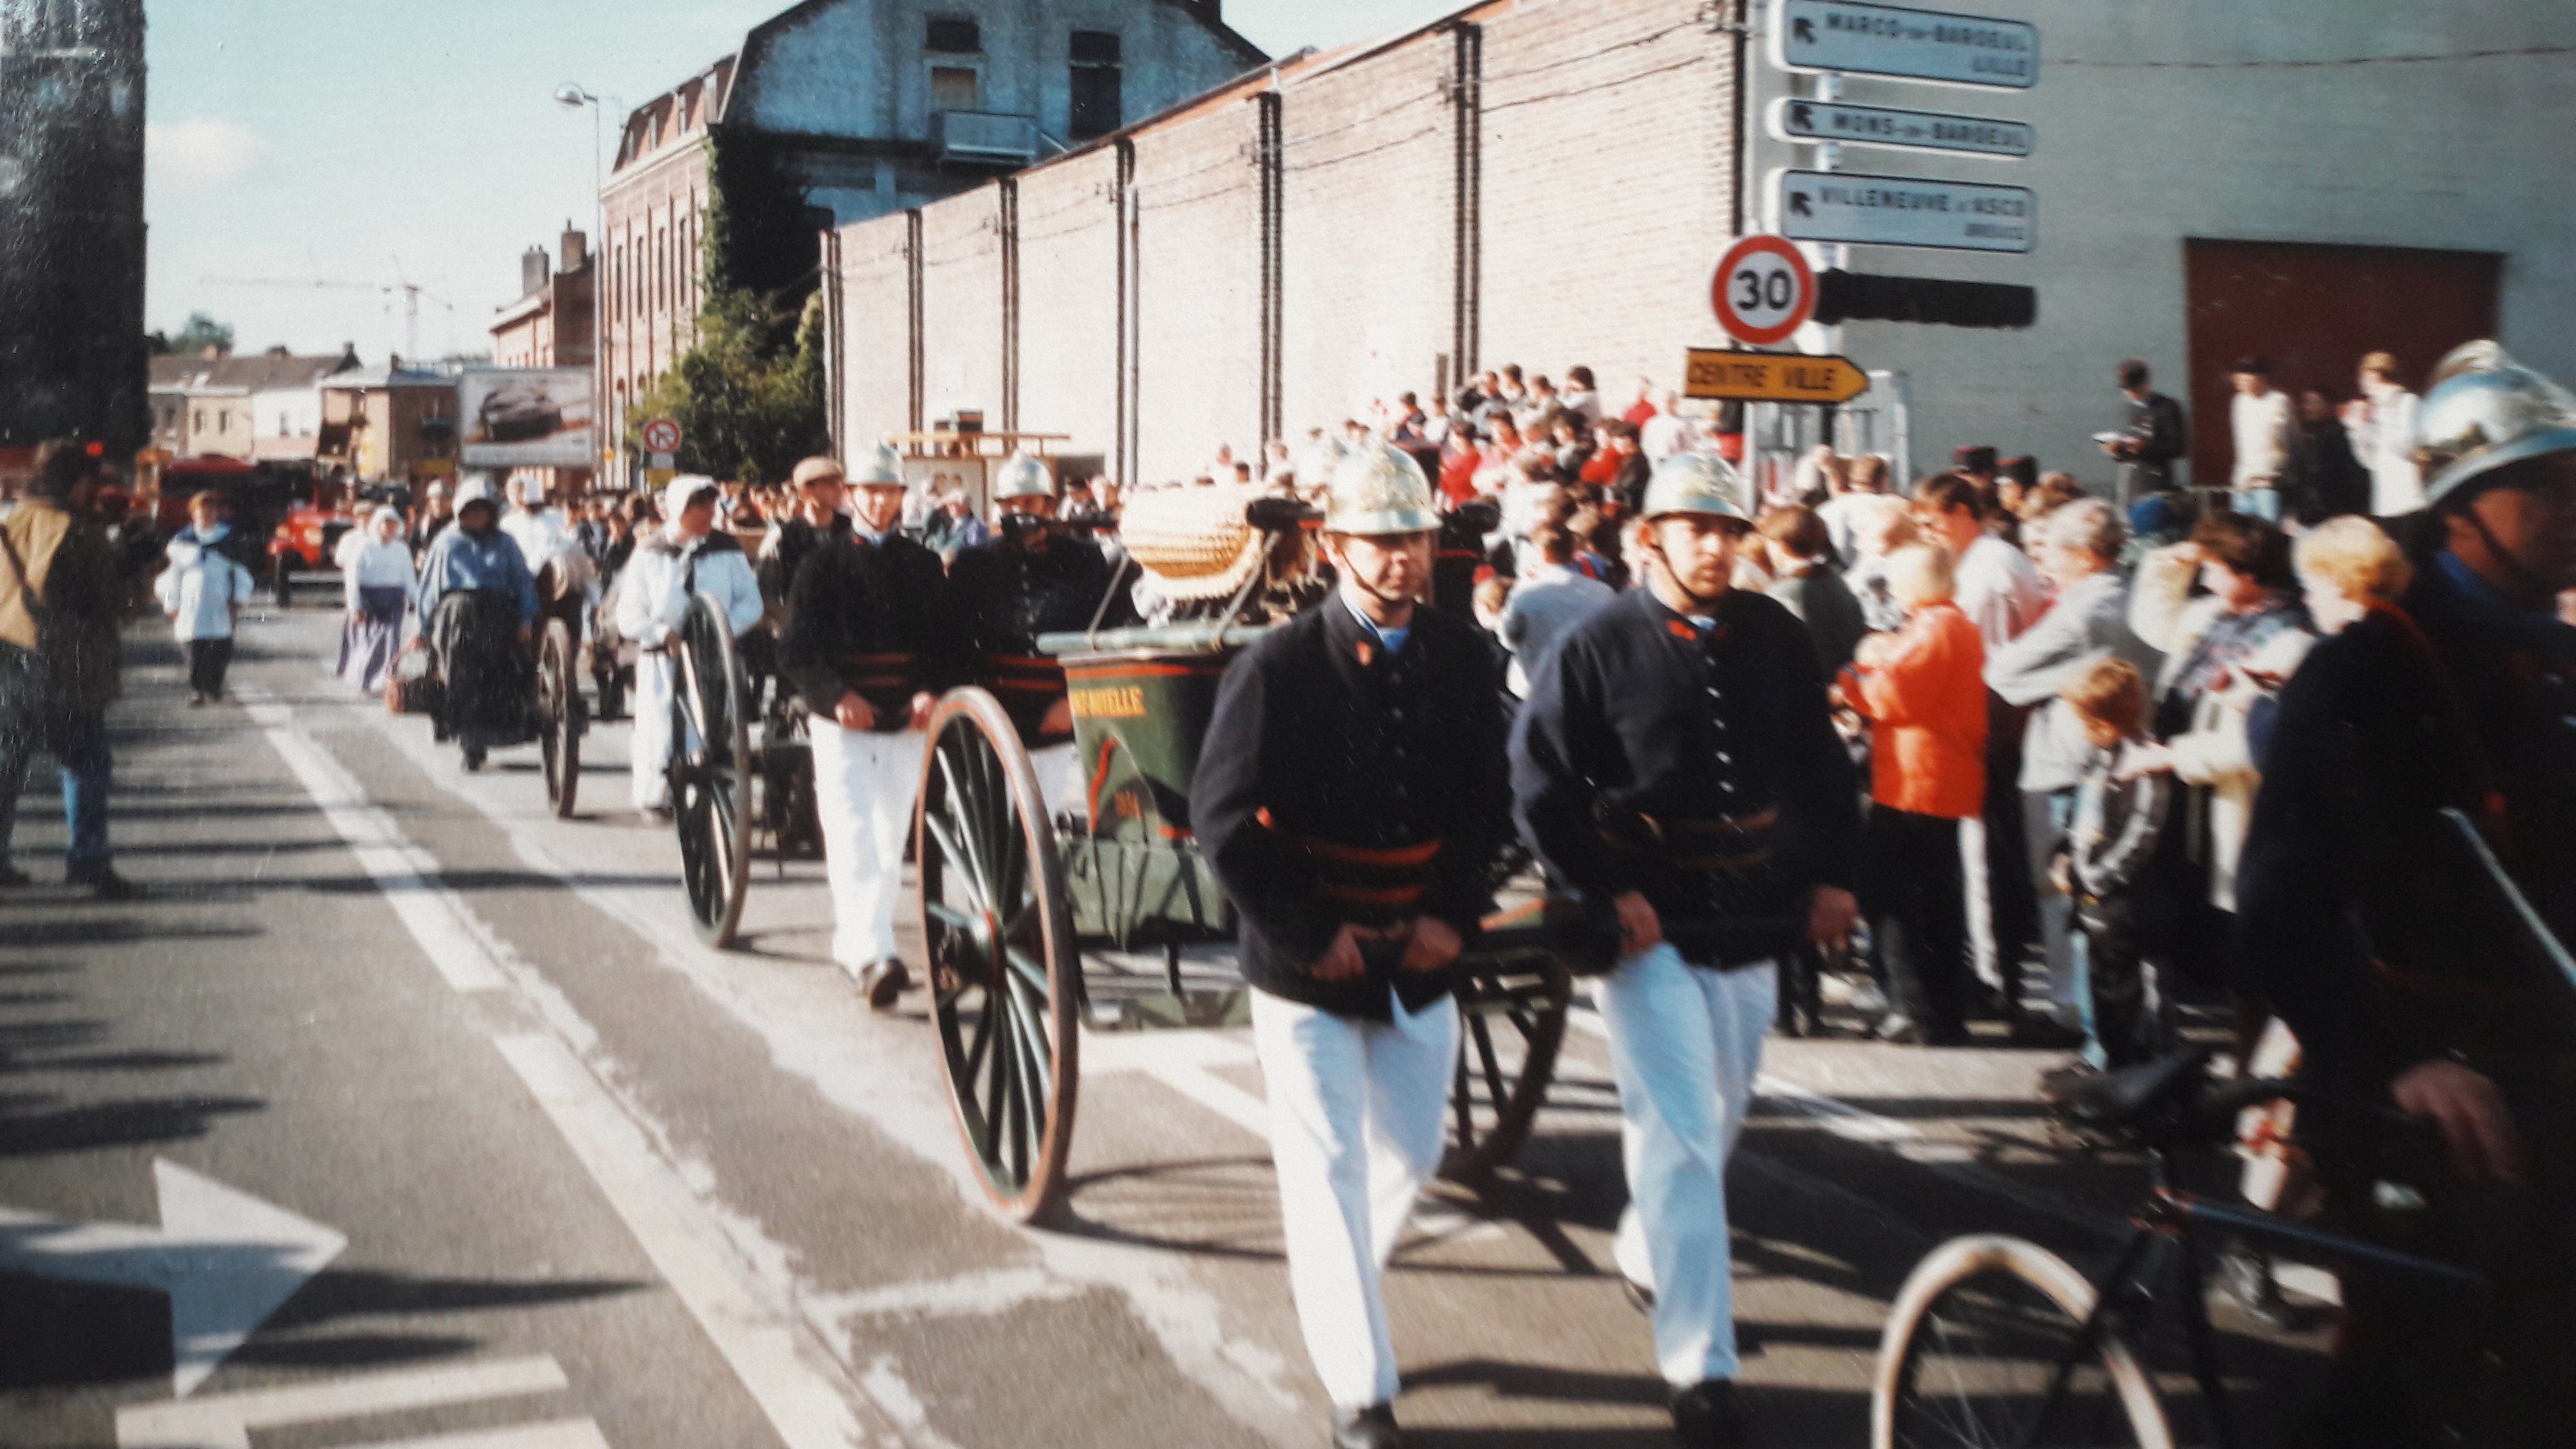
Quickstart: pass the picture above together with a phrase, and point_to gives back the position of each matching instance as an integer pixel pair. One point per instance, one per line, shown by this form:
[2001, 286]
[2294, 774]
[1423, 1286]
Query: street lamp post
[574, 97]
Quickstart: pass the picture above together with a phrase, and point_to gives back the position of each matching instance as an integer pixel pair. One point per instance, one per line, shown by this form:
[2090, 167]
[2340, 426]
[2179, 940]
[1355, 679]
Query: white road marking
[758, 1330]
[900, 1097]
[561, 1434]
[225, 1421]
[980, 1295]
[760, 1342]
[226, 1259]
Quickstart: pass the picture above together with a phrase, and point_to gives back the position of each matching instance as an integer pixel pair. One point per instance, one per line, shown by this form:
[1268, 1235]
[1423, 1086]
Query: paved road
[450, 1087]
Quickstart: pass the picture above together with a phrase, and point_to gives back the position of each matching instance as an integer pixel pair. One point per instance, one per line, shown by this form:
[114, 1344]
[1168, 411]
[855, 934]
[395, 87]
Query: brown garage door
[2314, 310]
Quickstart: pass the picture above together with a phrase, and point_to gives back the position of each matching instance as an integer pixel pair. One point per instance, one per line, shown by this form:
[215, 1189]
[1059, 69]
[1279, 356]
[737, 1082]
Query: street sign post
[1782, 377]
[1763, 290]
[1801, 119]
[1904, 44]
[1903, 211]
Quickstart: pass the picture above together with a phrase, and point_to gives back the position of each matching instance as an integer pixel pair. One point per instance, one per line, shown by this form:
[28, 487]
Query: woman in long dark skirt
[379, 583]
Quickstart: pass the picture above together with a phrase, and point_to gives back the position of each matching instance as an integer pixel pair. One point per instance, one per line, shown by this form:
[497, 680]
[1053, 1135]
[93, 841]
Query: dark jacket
[59, 647]
[1324, 750]
[870, 618]
[784, 552]
[1009, 590]
[2157, 425]
[2360, 922]
[1636, 728]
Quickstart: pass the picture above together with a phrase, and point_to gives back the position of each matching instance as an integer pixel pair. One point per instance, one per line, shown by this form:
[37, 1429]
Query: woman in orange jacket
[1924, 688]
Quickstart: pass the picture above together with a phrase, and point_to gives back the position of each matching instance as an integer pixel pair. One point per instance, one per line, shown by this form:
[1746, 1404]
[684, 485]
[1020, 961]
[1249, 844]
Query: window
[954, 88]
[956, 37]
[1097, 104]
[617, 286]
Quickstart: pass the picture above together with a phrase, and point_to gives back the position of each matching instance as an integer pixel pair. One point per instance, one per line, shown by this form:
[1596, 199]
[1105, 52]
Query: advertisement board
[532, 417]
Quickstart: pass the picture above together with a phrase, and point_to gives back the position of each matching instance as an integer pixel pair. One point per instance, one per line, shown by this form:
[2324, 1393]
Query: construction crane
[410, 292]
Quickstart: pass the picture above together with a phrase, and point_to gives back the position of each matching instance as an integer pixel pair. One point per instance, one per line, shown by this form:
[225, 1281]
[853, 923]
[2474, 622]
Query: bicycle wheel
[1976, 1340]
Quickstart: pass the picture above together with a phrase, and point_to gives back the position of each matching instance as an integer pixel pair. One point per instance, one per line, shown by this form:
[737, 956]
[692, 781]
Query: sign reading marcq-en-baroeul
[1891, 40]
[1903, 211]
[1797, 118]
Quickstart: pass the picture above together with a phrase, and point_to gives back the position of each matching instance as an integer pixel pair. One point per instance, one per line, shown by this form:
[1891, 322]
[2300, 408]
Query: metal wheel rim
[1003, 975]
[709, 785]
[558, 706]
[1977, 1368]
[1511, 1027]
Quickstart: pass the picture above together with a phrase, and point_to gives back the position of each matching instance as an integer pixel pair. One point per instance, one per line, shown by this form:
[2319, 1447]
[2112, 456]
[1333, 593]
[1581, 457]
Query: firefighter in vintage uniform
[868, 650]
[1031, 578]
[1350, 797]
[1676, 766]
[684, 558]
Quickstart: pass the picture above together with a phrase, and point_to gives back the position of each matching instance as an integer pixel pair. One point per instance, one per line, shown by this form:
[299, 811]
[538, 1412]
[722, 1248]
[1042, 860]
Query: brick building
[389, 424]
[1535, 180]
[835, 111]
[1550, 182]
[553, 324]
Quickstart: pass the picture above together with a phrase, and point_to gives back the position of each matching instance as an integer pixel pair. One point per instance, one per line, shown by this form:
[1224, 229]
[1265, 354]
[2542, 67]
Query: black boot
[1369, 1428]
[1706, 1416]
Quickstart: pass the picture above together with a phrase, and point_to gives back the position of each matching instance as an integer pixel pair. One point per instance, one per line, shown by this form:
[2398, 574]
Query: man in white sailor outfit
[1350, 797]
[869, 646]
[684, 558]
[1676, 765]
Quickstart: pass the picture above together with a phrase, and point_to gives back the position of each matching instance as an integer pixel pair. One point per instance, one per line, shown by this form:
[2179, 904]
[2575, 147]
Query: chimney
[348, 358]
[576, 249]
[533, 271]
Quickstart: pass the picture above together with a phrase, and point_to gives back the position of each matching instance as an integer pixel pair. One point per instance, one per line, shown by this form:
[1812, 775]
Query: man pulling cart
[1349, 796]
[685, 557]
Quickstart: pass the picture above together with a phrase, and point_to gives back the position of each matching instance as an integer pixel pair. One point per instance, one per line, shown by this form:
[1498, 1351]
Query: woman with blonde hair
[2346, 565]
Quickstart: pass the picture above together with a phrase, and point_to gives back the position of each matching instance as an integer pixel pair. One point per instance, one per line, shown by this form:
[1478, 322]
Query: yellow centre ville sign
[1772, 377]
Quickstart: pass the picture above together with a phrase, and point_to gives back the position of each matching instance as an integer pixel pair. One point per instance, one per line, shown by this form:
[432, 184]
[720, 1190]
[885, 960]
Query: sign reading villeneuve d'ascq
[1903, 211]
[1891, 40]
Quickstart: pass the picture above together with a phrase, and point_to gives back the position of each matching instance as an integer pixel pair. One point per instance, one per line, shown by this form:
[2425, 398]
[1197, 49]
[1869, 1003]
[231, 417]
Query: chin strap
[2523, 573]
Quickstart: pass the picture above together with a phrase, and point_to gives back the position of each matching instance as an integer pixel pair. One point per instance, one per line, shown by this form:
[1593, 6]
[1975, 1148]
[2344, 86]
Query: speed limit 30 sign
[1764, 290]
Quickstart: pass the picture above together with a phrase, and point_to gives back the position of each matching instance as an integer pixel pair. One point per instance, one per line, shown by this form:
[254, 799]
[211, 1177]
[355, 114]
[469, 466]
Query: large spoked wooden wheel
[710, 770]
[1004, 972]
[560, 718]
[1511, 1025]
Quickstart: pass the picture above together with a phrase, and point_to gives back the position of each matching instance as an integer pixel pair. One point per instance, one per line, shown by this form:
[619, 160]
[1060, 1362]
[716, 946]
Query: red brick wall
[1607, 174]
[1607, 170]
[1370, 156]
[961, 298]
[1198, 363]
[1069, 302]
[876, 366]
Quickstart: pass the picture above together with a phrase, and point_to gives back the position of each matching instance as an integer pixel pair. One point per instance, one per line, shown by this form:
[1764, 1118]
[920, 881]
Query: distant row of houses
[330, 415]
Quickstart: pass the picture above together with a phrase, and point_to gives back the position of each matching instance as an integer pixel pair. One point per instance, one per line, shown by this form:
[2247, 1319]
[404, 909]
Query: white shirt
[652, 594]
[376, 566]
[201, 588]
[2264, 427]
[346, 552]
[1666, 434]
[541, 534]
[1998, 589]
[2385, 444]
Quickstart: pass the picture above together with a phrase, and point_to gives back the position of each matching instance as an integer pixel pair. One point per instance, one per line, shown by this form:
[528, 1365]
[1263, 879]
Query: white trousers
[1685, 1046]
[1356, 1109]
[863, 792]
[649, 747]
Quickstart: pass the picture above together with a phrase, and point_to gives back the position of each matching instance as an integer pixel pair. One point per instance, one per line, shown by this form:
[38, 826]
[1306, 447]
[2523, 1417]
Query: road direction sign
[662, 435]
[1903, 211]
[1891, 40]
[1771, 377]
[1796, 118]
[1763, 290]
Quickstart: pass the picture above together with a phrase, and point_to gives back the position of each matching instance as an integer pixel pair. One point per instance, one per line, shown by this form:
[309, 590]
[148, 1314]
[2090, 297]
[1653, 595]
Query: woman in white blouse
[378, 578]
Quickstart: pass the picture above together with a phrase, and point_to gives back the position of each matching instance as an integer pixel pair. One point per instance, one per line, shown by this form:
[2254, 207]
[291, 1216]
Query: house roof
[377, 379]
[259, 372]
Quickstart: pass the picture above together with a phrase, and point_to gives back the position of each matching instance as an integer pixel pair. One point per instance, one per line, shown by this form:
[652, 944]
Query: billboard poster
[532, 417]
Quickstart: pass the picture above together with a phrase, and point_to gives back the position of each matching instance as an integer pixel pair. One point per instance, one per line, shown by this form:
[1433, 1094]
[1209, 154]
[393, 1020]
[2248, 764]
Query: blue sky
[379, 141]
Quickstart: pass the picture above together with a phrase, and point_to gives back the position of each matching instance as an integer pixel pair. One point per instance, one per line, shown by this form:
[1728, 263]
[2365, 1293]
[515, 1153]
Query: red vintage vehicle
[307, 541]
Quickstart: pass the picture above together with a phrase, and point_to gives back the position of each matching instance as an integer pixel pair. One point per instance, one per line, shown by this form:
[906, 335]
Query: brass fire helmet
[2486, 411]
[881, 468]
[1022, 476]
[1379, 491]
[1695, 483]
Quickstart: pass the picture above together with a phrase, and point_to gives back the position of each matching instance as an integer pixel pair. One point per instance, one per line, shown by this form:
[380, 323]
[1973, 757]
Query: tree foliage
[200, 333]
[747, 408]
